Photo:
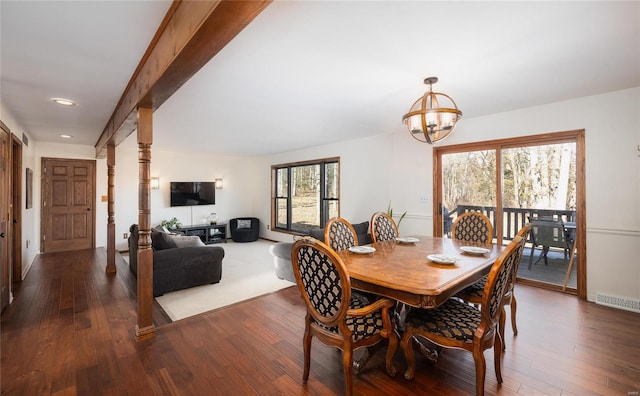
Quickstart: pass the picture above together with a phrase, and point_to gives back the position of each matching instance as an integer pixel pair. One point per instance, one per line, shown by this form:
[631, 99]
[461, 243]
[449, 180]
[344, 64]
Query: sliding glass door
[468, 183]
[536, 179]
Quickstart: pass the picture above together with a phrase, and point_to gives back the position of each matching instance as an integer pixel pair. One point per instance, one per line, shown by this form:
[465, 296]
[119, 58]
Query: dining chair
[472, 227]
[383, 227]
[473, 294]
[334, 315]
[456, 324]
[339, 234]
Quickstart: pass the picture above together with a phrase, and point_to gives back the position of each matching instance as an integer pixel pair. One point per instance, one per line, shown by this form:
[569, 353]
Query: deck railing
[512, 218]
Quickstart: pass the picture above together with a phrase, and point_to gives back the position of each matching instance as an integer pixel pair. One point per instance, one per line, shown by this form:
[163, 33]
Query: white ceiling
[305, 73]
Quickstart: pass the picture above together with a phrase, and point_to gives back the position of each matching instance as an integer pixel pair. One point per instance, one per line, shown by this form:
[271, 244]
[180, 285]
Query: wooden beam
[189, 36]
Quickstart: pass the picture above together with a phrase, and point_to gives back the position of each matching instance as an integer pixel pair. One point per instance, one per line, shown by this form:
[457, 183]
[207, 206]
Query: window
[305, 194]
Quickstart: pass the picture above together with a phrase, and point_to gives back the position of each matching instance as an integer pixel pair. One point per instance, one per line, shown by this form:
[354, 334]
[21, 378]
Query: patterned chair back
[383, 228]
[499, 281]
[472, 227]
[339, 234]
[322, 280]
[524, 234]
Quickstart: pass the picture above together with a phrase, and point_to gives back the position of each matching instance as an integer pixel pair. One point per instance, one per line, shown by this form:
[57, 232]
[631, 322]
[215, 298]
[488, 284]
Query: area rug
[247, 271]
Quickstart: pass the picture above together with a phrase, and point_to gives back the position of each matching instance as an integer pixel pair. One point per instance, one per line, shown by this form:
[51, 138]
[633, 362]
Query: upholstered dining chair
[474, 293]
[383, 227]
[456, 324]
[472, 227]
[335, 316]
[339, 234]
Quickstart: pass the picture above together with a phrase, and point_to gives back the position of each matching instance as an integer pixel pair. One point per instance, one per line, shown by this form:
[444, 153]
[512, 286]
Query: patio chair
[383, 228]
[335, 316]
[548, 232]
[472, 227]
[456, 324]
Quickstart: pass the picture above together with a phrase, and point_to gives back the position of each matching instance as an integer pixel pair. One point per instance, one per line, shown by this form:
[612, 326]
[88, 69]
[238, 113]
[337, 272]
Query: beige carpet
[247, 272]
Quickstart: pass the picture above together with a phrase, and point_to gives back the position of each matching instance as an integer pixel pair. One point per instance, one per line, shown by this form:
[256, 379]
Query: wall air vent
[625, 303]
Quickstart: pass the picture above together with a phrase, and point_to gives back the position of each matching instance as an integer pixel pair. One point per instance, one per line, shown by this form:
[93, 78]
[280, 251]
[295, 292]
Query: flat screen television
[193, 193]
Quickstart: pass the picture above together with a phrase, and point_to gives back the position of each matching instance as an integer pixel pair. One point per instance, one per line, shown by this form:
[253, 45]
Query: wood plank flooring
[70, 331]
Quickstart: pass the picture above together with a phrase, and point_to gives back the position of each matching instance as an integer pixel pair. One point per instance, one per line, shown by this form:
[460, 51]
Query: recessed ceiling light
[66, 136]
[63, 101]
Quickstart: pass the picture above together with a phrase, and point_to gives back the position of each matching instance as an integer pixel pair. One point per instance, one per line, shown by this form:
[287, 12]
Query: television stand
[208, 233]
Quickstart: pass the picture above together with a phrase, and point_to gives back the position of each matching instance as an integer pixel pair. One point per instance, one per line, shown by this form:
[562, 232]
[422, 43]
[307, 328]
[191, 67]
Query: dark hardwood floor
[70, 331]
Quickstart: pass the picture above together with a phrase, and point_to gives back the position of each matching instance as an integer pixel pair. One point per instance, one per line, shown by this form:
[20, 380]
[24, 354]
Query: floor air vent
[628, 304]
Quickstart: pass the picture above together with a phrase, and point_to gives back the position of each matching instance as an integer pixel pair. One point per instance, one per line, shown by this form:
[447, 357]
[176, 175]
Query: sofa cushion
[161, 240]
[361, 228]
[181, 241]
[244, 223]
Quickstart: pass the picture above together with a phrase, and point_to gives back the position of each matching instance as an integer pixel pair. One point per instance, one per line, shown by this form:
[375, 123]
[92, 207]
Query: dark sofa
[177, 268]
[361, 229]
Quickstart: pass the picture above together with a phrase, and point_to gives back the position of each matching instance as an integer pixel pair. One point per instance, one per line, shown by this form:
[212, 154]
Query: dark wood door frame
[16, 197]
[71, 208]
[5, 215]
[575, 136]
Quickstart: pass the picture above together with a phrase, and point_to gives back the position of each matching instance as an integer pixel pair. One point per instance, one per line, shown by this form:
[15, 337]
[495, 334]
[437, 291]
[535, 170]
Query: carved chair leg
[391, 351]
[347, 363]
[497, 357]
[481, 370]
[514, 307]
[502, 323]
[307, 354]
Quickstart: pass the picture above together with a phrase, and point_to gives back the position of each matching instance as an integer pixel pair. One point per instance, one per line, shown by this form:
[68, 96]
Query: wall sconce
[218, 184]
[155, 183]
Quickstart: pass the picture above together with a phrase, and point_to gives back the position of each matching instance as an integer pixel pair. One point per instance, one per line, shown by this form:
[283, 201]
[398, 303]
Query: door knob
[88, 209]
[1, 234]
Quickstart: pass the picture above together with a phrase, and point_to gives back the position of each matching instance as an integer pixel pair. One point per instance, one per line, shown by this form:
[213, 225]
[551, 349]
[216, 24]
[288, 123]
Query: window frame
[324, 200]
[573, 136]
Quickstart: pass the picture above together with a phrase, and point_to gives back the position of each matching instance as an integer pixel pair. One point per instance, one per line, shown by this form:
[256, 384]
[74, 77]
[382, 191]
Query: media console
[208, 233]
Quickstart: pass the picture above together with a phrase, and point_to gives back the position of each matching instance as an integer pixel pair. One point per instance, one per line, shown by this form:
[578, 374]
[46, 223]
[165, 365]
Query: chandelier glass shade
[433, 116]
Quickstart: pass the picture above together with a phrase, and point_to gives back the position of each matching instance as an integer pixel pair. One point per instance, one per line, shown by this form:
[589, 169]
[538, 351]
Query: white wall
[233, 200]
[365, 165]
[394, 167]
[612, 134]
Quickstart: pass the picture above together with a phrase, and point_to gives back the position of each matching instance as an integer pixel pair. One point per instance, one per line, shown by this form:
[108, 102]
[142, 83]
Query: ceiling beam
[191, 33]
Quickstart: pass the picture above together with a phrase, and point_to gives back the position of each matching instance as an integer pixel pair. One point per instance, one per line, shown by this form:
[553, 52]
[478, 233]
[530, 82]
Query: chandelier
[433, 116]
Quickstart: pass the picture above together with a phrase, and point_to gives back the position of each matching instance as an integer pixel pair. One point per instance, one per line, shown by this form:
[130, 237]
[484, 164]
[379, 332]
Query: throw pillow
[361, 228]
[186, 241]
[161, 240]
[244, 223]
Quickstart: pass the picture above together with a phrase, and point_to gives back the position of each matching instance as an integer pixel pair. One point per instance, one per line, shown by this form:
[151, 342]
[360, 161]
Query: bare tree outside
[535, 177]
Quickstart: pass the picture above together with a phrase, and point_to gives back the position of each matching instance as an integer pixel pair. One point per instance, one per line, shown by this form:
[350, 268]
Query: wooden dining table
[403, 271]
